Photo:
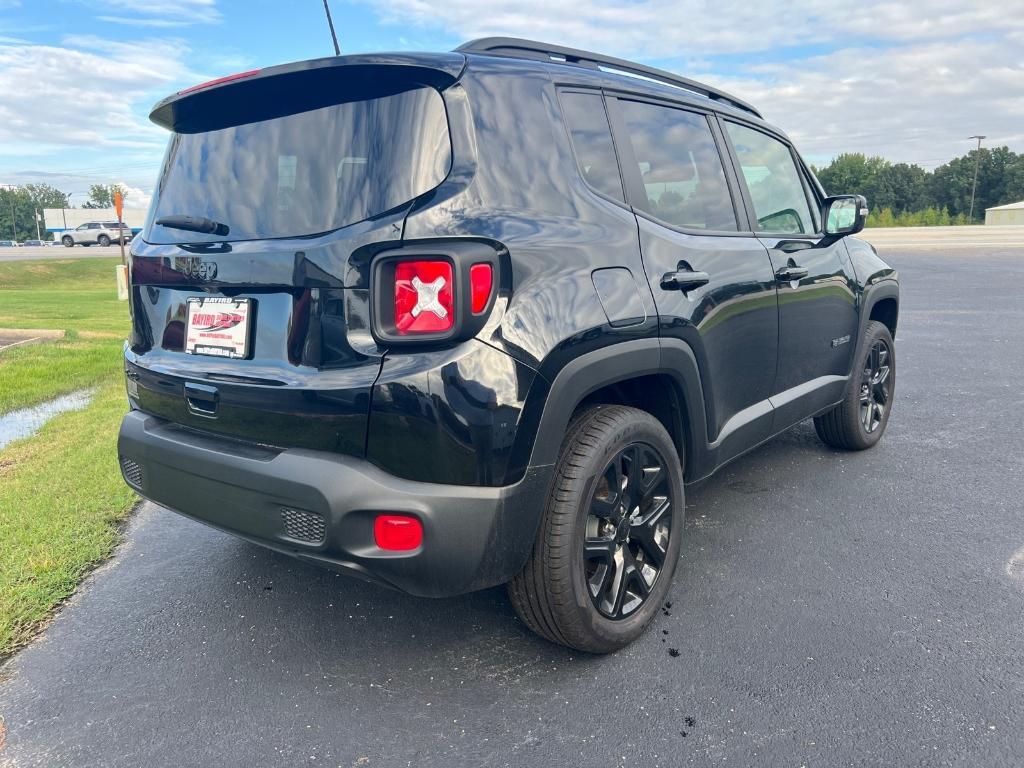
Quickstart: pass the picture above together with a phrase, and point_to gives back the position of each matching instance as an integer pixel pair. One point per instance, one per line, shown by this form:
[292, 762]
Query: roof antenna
[330, 23]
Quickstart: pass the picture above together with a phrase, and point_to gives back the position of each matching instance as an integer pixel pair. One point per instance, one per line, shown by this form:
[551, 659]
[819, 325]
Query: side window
[680, 165]
[592, 141]
[776, 189]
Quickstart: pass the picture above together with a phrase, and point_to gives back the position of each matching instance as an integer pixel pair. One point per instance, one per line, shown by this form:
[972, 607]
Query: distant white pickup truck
[96, 233]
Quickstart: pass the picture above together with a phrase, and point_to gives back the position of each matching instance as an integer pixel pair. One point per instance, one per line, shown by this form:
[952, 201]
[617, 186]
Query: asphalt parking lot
[829, 609]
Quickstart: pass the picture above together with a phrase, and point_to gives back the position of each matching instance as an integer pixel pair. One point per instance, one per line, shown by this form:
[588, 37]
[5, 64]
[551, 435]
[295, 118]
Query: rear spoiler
[264, 94]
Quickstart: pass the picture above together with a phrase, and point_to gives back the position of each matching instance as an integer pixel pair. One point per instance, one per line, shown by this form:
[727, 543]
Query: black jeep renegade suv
[447, 321]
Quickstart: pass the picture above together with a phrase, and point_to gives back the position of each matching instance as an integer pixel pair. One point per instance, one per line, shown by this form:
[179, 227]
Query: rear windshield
[305, 173]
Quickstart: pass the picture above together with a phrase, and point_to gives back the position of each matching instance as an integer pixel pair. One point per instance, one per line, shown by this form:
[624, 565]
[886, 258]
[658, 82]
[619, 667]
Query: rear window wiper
[194, 224]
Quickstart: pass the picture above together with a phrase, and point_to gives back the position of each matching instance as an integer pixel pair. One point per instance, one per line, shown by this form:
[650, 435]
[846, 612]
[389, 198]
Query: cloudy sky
[909, 81]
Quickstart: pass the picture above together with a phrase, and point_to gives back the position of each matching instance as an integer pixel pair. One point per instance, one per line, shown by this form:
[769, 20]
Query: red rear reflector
[398, 533]
[423, 297]
[480, 280]
[219, 80]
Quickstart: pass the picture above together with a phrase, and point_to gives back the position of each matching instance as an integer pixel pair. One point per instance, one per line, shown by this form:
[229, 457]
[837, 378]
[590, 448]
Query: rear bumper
[320, 507]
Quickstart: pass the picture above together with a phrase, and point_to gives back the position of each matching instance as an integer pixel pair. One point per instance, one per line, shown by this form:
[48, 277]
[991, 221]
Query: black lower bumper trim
[474, 537]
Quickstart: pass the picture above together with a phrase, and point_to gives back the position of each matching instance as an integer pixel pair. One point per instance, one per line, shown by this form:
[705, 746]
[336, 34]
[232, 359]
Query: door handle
[684, 280]
[202, 399]
[790, 272]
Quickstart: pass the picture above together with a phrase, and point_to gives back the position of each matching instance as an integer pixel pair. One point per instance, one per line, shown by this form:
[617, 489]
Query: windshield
[305, 173]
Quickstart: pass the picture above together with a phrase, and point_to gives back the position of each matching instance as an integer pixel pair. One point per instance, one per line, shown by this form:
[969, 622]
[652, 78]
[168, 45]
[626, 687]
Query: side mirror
[844, 214]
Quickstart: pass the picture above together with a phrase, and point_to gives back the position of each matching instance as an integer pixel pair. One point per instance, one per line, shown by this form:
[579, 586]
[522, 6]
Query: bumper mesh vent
[132, 472]
[304, 526]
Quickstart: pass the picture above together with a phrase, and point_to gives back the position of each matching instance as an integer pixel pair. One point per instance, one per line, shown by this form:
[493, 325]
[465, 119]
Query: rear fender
[615, 364]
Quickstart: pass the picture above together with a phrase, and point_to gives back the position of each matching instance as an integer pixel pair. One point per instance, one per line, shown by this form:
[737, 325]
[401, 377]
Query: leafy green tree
[19, 203]
[46, 196]
[1014, 190]
[851, 174]
[898, 186]
[915, 196]
[102, 195]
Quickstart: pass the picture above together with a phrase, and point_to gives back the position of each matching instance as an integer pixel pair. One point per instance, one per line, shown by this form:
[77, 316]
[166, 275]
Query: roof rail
[531, 49]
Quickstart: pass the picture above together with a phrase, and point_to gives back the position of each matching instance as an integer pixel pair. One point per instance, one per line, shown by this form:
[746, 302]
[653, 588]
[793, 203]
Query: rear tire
[603, 559]
[859, 421]
[103, 240]
[68, 241]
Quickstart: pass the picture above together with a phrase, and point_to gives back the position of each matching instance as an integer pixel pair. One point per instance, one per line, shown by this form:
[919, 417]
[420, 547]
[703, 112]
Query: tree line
[21, 204]
[901, 194]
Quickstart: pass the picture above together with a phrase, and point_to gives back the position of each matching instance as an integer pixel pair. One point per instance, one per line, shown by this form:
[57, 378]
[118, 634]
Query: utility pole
[37, 225]
[330, 23]
[977, 162]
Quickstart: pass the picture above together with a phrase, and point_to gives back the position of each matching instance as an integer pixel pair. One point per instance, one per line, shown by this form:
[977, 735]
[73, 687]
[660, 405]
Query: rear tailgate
[310, 168]
[310, 362]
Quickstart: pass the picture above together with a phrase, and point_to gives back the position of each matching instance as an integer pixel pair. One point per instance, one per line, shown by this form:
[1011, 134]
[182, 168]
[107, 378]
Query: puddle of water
[22, 423]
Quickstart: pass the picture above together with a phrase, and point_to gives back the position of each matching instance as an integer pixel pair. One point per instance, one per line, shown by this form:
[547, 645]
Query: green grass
[61, 497]
[61, 494]
[39, 372]
[87, 274]
[76, 296]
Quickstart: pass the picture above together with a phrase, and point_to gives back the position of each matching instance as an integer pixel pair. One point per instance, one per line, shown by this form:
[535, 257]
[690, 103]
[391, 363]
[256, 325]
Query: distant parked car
[9, 244]
[97, 233]
[34, 243]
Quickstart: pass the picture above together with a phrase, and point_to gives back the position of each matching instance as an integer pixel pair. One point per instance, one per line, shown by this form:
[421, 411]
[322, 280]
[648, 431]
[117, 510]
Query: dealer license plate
[218, 326]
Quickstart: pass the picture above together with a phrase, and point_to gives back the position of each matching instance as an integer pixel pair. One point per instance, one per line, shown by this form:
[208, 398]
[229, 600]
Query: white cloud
[154, 23]
[676, 28]
[162, 13]
[82, 93]
[135, 197]
[915, 103]
[906, 80]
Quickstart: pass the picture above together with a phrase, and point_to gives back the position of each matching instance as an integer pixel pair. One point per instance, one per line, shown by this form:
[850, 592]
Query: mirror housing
[844, 214]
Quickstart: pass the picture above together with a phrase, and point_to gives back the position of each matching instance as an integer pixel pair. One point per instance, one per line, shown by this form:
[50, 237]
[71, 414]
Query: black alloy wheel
[859, 421]
[610, 533]
[627, 531]
[874, 386]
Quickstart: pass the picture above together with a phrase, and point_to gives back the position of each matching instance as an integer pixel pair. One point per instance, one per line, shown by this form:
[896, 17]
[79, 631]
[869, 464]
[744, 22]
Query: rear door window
[592, 141]
[682, 171]
[774, 183]
[306, 173]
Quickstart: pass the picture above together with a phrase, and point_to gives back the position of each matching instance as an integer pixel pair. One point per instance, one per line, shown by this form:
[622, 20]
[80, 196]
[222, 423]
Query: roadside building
[59, 219]
[1012, 213]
